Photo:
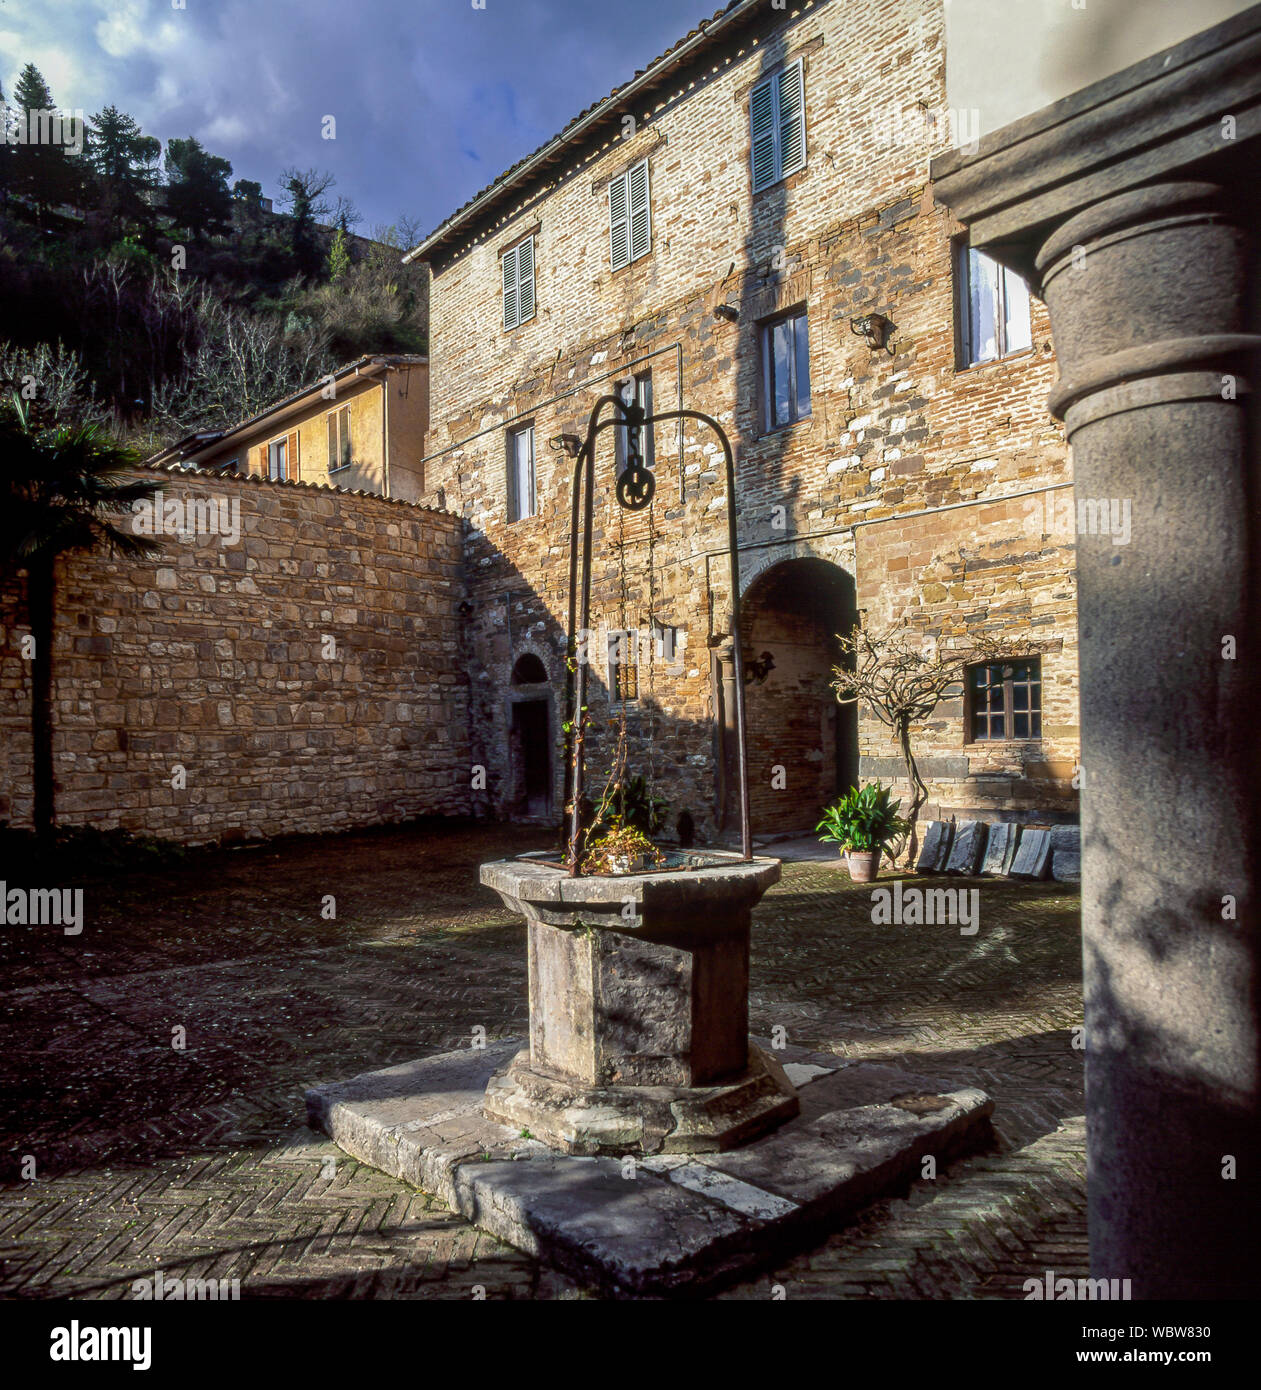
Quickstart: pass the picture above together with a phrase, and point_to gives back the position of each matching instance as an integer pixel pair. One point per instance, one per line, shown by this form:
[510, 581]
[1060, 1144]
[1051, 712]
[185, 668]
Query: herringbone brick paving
[194, 1159]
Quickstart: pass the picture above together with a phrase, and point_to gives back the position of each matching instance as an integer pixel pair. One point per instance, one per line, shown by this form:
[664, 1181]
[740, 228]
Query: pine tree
[338, 256]
[43, 169]
[122, 160]
[198, 196]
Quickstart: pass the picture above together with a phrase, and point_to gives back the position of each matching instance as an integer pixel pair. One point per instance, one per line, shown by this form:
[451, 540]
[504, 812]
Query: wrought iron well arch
[634, 487]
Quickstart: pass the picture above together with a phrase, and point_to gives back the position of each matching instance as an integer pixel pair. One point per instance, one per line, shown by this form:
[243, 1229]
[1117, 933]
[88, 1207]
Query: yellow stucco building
[361, 427]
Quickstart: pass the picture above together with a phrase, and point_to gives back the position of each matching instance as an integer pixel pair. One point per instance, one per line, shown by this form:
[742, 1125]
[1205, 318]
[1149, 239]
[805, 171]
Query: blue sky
[432, 98]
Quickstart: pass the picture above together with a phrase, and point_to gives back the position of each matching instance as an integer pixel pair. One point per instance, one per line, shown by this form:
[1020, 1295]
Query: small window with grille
[1005, 700]
[623, 666]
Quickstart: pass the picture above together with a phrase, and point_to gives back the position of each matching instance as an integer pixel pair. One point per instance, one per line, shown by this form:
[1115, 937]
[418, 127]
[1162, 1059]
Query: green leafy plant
[864, 819]
[620, 843]
[631, 803]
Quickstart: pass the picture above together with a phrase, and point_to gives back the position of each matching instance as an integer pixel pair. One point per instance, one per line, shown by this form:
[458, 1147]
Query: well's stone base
[666, 1223]
[578, 1119]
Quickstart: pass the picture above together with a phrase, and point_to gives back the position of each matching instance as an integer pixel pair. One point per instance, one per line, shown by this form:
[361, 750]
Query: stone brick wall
[306, 677]
[1005, 568]
[893, 433]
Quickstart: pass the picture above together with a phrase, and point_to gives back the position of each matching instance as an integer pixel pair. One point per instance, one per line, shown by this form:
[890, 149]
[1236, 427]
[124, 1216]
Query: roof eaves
[256, 480]
[375, 360]
[704, 33]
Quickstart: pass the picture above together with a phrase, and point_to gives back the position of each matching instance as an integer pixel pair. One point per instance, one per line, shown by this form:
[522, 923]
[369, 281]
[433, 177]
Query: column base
[590, 1120]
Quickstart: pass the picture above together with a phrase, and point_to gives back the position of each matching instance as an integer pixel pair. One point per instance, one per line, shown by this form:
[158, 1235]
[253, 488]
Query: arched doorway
[803, 746]
[530, 740]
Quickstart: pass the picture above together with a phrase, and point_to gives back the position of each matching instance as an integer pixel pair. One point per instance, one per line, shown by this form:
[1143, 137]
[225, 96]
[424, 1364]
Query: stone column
[1135, 219]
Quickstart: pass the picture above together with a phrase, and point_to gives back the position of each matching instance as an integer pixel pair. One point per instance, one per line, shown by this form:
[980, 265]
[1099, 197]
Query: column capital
[1190, 112]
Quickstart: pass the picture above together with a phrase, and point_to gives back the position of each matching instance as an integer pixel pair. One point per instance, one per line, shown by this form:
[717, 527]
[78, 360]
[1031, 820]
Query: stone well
[639, 1009]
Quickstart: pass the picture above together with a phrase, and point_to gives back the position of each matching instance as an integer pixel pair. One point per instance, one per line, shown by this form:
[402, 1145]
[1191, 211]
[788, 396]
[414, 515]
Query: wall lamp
[875, 328]
[758, 668]
[727, 311]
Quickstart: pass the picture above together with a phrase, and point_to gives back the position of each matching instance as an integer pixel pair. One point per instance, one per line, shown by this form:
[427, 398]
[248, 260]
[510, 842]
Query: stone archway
[531, 728]
[803, 746]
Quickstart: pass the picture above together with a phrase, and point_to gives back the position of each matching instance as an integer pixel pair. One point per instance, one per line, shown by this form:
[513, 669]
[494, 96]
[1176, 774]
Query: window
[666, 638]
[277, 460]
[518, 269]
[777, 121]
[786, 369]
[521, 498]
[1005, 700]
[623, 666]
[630, 216]
[992, 308]
[339, 439]
[230, 466]
[636, 392]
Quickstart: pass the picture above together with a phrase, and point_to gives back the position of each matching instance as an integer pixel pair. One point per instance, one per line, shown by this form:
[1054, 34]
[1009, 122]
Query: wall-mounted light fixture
[565, 444]
[727, 311]
[758, 668]
[875, 328]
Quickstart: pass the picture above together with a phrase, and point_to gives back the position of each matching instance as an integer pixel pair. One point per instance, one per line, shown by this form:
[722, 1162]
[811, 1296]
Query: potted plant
[623, 850]
[862, 823]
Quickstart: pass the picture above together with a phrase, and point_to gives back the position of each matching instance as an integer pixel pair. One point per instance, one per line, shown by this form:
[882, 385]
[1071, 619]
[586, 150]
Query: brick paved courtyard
[196, 1160]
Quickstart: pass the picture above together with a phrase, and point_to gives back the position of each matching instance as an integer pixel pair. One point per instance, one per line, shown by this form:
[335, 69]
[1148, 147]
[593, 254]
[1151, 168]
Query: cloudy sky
[432, 98]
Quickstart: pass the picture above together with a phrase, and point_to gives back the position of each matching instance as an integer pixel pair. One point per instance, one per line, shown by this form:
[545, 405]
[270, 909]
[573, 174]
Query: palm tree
[63, 488]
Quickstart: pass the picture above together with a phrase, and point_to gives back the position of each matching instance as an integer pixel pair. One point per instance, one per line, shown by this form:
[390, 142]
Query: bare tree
[346, 216]
[902, 675]
[54, 381]
[241, 364]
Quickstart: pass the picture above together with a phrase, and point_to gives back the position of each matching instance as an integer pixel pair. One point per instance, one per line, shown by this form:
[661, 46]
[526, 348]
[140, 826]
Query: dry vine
[902, 675]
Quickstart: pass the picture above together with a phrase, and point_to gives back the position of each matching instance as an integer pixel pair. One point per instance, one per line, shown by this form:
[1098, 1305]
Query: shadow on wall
[802, 744]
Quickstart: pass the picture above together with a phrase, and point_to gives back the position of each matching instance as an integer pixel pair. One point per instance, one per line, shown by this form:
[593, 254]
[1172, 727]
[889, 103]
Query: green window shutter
[525, 280]
[640, 212]
[619, 223]
[792, 119]
[511, 315]
[762, 133]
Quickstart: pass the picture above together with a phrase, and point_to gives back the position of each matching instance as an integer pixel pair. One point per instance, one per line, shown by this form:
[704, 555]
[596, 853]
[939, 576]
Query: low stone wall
[295, 671]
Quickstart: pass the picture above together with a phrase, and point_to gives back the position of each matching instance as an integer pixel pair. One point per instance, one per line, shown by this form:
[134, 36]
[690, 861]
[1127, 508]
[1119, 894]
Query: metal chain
[652, 652]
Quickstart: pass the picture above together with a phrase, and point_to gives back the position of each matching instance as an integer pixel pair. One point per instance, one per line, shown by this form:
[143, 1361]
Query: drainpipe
[385, 431]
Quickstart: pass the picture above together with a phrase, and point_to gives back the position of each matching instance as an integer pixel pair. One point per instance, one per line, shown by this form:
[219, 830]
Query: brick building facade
[717, 227]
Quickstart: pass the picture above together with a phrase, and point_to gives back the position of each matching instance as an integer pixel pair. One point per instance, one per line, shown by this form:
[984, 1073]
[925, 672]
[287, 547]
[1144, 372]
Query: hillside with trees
[144, 288]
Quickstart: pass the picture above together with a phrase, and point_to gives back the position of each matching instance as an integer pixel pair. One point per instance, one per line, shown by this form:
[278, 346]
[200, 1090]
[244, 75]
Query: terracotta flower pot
[863, 864]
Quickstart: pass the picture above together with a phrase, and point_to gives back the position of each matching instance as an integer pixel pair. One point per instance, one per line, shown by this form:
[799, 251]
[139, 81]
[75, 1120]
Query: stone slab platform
[657, 1226]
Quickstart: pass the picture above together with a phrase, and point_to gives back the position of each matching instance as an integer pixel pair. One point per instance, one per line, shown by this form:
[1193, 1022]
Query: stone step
[654, 1225]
